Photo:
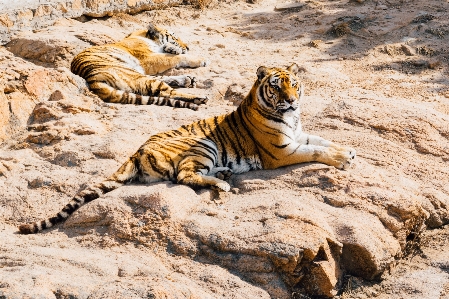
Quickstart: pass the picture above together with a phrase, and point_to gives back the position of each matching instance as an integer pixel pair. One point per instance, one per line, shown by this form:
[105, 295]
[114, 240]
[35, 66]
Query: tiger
[124, 72]
[264, 132]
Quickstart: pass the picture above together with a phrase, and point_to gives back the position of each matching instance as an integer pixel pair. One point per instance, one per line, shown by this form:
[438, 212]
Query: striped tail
[112, 95]
[137, 99]
[125, 173]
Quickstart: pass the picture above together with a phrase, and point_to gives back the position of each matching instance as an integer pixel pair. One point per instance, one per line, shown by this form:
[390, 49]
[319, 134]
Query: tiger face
[168, 40]
[279, 90]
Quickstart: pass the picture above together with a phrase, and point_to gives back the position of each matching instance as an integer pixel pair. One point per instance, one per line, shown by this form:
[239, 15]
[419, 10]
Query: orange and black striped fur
[263, 133]
[124, 72]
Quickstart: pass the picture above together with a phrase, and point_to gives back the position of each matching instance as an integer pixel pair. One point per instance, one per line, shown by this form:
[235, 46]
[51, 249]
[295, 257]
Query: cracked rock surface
[375, 80]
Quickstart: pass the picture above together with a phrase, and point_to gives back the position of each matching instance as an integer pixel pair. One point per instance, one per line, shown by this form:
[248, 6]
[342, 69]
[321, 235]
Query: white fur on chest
[128, 60]
[292, 126]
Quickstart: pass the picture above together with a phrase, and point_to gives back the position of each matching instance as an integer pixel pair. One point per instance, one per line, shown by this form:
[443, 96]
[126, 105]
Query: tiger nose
[290, 99]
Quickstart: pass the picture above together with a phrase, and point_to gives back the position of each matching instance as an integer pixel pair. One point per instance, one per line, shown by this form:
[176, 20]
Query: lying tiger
[263, 133]
[123, 72]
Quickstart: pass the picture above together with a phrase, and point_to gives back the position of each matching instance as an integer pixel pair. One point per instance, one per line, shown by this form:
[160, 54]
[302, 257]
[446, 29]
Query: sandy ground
[376, 77]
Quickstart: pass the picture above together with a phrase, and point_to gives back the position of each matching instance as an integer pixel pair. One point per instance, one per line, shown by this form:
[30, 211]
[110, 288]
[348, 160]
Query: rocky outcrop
[300, 231]
[14, 16]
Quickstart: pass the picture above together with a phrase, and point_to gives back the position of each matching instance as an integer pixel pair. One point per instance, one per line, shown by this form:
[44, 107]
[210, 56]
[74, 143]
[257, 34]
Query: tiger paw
[342, 157]
[201, 100]
[204, 63]
[224, 174]
[173, 49]
[223, 186]
[190, 82]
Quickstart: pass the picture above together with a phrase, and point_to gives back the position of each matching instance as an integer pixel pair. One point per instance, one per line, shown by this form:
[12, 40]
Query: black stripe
[243, 138]
[221, 139]
[43, 224]
[270, 116]
[138, 99]
[209, 148]
[125, 98]
[239, 149]
[176, 133]
[155, 167]
[106, 189]
[280, 146]
[201, 128]
[192, 130]
[262, 95]
[202, 154]
[157, 92]
[90, 196]
[259, 145]
[185, 128]
[69, 209]
[294, 150]
[231, 141]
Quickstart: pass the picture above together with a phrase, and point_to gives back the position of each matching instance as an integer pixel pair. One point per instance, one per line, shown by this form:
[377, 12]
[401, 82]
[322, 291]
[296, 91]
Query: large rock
[26, 84]
[304, 230]
[15, 17]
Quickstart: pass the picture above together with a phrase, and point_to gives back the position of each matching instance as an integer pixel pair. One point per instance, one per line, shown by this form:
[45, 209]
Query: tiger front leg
[313, 140]
[334, 155]
[159, 63]
[197, 180]
[332, 147]
[173, 49]
[187, 61]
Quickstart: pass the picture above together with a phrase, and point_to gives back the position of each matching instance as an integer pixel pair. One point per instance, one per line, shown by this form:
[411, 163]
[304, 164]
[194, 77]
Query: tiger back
[264, 132]
[125, 72]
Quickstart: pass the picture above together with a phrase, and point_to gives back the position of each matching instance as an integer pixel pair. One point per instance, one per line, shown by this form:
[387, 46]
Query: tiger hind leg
[199, 172]
[198, 180]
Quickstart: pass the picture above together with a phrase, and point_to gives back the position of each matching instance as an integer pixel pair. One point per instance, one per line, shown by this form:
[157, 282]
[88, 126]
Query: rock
[420, 63]
[57, 95]
[235, 94]
[51, 51]
[307, 230]
[4, 115]
[15, 18]
[434, 64]
[409, 51]
[44, 112]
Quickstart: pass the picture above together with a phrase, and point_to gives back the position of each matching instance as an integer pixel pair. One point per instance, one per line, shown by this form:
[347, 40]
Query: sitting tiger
[123, 72]
[264, 132]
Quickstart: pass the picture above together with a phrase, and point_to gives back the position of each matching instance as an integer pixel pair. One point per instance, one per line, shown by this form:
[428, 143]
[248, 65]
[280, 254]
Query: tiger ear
[294, 68]
[261, 72]
[152, 32]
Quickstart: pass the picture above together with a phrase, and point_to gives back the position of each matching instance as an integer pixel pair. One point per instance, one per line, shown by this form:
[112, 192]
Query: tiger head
[279, 90]
[170, 42]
